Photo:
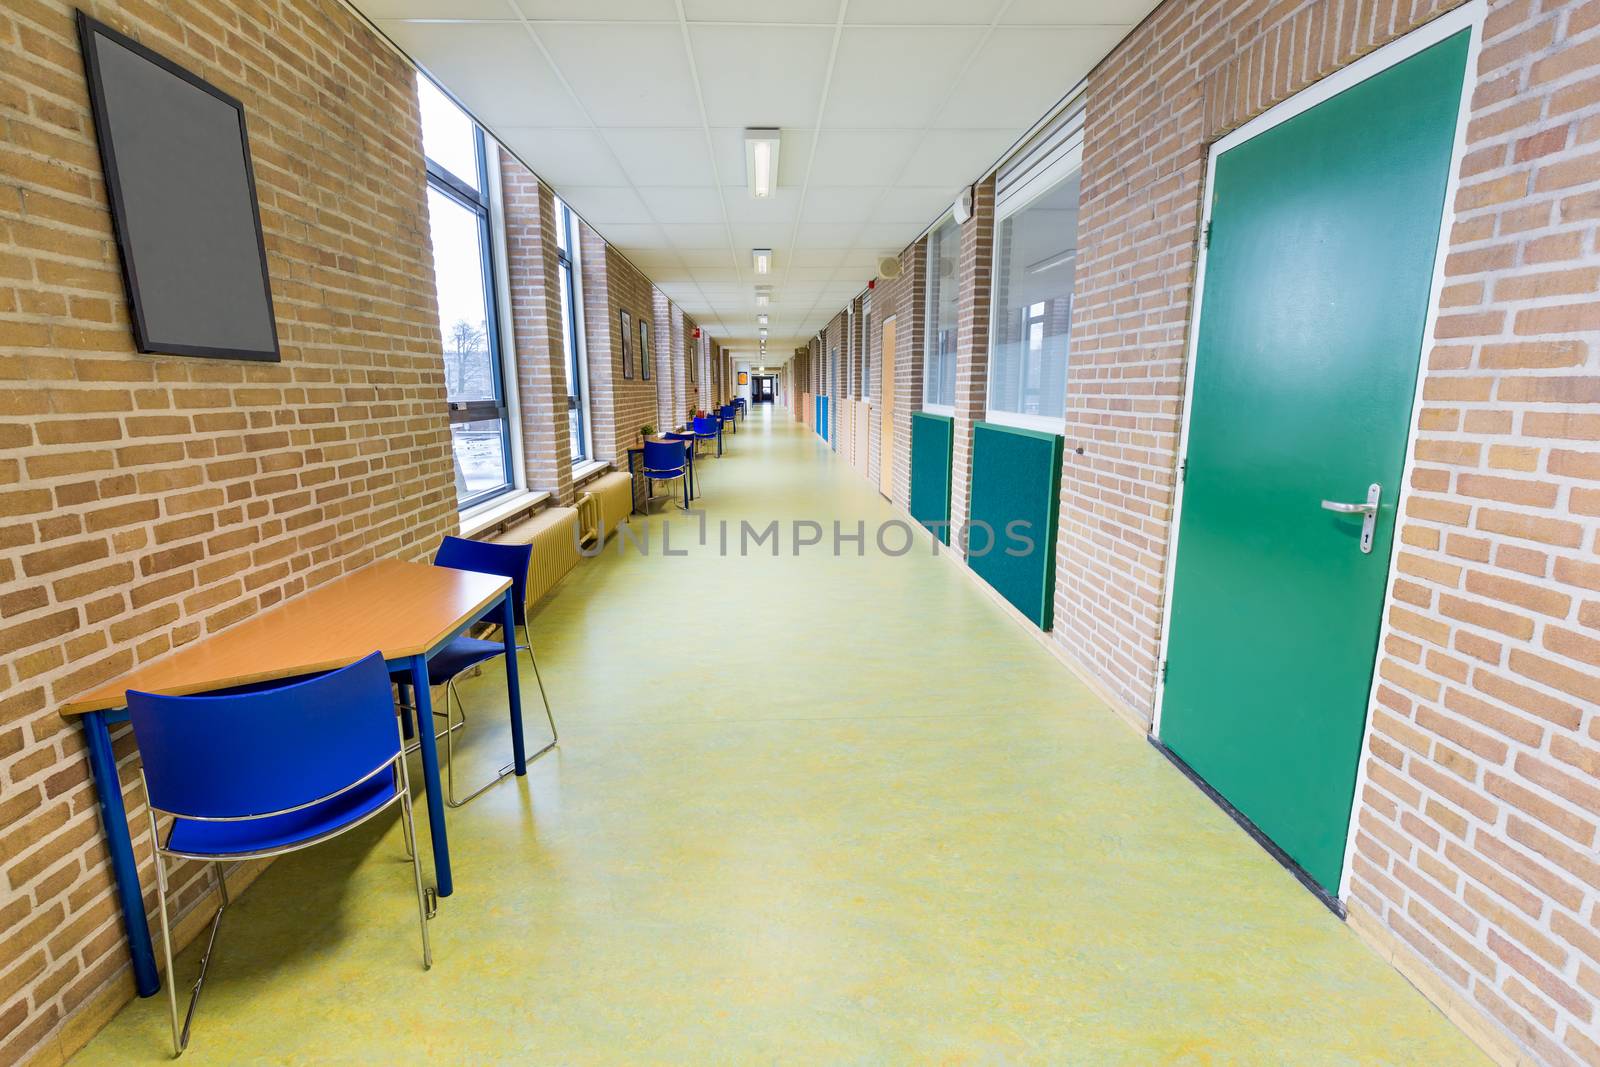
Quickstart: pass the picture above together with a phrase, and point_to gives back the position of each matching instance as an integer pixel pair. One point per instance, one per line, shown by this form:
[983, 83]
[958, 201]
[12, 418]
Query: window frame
[930, 313]
[568, 262]
[1039, 185]
[480, 203]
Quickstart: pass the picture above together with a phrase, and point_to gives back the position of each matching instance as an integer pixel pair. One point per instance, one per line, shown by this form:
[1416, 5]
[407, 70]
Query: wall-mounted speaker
[963, 206]
[889, 267]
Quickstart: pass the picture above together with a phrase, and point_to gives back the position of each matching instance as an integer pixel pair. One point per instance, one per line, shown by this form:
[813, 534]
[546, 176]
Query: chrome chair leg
[427, 899]
[453, 697]
[180, 1034]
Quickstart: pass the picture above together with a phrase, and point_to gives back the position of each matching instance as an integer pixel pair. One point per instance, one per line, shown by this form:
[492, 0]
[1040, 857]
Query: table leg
[430, 775]
[508, 624]
[119, 843]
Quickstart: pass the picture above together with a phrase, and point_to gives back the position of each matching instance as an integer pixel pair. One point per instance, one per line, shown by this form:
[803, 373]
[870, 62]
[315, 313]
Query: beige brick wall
[146, 501]
[532, 261]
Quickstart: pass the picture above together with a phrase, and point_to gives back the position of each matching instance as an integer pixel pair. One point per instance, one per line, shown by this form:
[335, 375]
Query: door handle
[1368, 510]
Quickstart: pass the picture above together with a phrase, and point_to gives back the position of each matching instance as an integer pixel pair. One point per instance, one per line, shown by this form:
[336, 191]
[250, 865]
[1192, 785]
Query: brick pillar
[910, 327]
[974, 268]
[531, 267]
[668, 411]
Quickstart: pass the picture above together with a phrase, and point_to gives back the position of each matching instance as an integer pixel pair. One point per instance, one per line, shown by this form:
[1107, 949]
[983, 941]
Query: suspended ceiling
[635, 110]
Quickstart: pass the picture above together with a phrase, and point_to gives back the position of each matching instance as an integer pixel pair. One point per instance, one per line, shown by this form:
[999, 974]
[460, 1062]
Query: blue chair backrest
[265, 749]
[727, 412]
[486, 557]
[664, 456]
[708, 425]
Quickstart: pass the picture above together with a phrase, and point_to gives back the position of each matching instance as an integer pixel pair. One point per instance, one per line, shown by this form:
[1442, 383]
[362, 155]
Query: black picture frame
[89, 29]
[627, 342]
[644, 350]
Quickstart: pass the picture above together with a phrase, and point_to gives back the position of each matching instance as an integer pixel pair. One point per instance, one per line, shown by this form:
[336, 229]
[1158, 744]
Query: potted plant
[647, 430]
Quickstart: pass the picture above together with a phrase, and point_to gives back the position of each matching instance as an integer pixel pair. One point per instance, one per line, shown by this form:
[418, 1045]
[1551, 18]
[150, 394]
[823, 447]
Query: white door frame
[1468, 16]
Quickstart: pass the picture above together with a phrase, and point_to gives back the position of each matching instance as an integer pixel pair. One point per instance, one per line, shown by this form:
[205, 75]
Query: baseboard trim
[101, 1006]
[1467, 1016]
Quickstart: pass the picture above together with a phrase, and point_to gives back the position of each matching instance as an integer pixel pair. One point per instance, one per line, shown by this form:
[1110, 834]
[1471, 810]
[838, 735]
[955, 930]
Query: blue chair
[709, 428]
[728, 419]
[666, 461]
[463, 652]
[742, 406]
[688, 439]
[266, 769]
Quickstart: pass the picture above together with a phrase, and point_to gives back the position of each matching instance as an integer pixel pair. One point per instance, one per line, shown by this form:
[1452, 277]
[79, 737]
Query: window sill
[582, 472]
[947, 410]
[1017, 420]
[499, 510]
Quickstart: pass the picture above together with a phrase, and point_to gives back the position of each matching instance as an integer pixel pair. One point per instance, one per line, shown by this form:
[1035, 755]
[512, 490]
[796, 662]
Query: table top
[662, 440]
[394, 607]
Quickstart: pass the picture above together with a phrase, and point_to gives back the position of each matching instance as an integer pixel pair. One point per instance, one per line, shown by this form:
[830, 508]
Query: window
[571, 324]
[458, 218]
[939, 355]
[1035, 259]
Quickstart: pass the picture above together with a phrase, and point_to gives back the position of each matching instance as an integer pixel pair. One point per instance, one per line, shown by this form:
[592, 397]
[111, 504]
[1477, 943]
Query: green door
[1323, 235]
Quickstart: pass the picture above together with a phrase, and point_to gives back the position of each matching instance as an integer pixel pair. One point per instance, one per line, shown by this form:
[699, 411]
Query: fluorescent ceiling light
[763, 332]
[761, 161]
[763, 295]
[763, 259]
[761, 320]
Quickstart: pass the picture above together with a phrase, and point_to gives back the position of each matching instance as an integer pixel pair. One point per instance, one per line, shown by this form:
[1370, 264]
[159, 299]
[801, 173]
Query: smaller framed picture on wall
[627, 343]
[744, 378]
[644, 350]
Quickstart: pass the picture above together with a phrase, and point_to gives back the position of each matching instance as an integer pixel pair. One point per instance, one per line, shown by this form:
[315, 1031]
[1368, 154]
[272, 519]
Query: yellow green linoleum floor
[804, 810]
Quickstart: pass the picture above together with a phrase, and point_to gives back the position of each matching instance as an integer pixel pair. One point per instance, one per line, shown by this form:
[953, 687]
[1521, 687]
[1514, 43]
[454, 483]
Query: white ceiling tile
[495, 70]
[761, 76]
[634, 238]
[762, 235]
[826, 235]
[861, 157]
[914, 204]
[955, 158]
[745, 11]
[564, 156]
[819, 257]
[604, 205]
[625, 73]
[598, 9]
[894, 78]
[662, 156]
[923, 12]
[888, 238]
[841, 203]
[676, 203]
[695, 236]
[1124, 13]
[777, 210]
[1020, 72]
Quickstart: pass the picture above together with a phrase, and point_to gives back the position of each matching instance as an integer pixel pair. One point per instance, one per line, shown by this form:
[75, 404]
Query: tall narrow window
[1035, 262]
[939, 355]
[577, 374]
[458, 218]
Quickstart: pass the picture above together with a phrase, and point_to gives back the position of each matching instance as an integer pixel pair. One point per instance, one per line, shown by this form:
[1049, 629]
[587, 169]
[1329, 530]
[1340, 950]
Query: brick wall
[532, 263]
[618, 406]
[1477, 822]
[974, 268]
[146, 501]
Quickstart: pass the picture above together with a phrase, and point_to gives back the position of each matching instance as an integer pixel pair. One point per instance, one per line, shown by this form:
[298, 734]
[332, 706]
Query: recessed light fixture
[763, 259]
[763, 333]
[761, 320]
[761, 161]
[763, 295]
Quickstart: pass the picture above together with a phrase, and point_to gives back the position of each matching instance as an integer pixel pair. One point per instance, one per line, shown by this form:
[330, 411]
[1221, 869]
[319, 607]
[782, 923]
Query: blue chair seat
[278, 831]
[458, 655]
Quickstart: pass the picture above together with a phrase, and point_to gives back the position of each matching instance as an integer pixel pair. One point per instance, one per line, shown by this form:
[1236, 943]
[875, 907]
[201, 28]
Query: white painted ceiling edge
[724, 290]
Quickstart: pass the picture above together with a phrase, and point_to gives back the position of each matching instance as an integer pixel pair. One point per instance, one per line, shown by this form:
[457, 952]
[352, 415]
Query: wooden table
[406, 611]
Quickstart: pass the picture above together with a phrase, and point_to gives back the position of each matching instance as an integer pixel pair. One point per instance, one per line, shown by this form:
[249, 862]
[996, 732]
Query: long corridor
[900, 833]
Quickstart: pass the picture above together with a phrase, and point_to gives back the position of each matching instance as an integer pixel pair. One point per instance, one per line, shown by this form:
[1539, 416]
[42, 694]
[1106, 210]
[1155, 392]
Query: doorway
[1316, 291]
[762, 389]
